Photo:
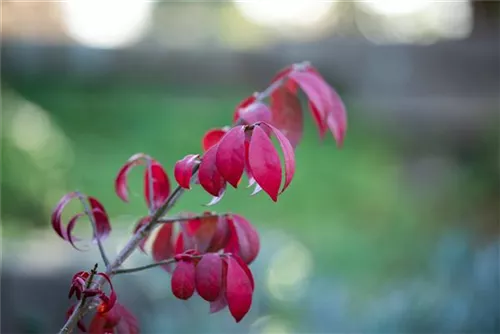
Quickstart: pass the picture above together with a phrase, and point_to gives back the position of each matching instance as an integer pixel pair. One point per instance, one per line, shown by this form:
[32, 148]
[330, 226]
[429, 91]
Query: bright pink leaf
[243, 240]
[183, 280]
[209, 277]
[287, 114]
[230, 155]
[288, 155]
[265, 163]
[210, 178]
[160, 185]
[250, 111]
[163, 247]
[211, 138]
[183, 170]
[101, 219]
[238, 290]
[56, 218]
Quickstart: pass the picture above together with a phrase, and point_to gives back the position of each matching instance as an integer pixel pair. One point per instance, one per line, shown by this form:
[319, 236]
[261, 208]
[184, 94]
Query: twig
[145, 230]
[185, 218]
[88, 212]
[147, 266]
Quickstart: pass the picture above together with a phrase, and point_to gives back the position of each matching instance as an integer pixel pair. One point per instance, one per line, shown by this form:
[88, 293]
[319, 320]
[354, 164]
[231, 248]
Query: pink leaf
[183, 170]
[221, 301]
[163, 248]
[107, 302]
[210, 178]
[243, 240]
[161, 185]
[238, 290]
[121, 187]
[288, 155]
[287, 114]
[183, 280]
[69, 229]
[211, 138]
[264, 163]
[251, 111]
[230, 155]
[209, 277]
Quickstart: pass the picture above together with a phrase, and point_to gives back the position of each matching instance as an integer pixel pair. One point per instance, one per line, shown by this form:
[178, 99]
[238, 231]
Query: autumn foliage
[207, 254]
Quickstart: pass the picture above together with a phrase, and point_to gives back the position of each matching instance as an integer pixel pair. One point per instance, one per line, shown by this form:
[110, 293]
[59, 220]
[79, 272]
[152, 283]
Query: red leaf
[163, 248]
[160, 186]
[209, 277]
[101, 219]
[230, 155]
[245, 267]
[289, 84]
[251, 111]
[210, 178]
[221, 235]
[244, 239]
[183, 170]
[212, 137]
[119, 321]
[265, 163]
[141, 223]
[288, 155]
[56, 218]
[69, 230]
[221, 301]
[121, 187]
[238, 290]
[107, 302]
[287, 114]
[183, 280]
[78, 284]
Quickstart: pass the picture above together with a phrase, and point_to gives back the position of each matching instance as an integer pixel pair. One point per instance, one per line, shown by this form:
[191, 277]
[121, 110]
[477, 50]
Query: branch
[147, 266]
[145, 230]
[186, 218]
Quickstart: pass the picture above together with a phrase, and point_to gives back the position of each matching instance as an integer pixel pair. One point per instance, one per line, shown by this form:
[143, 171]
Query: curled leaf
[119, 320]
[208, 277]
[183, 280]
[160, 185]
[107, 302]
[183, 170]
[239, 290]
[121, 187]
[230, 155]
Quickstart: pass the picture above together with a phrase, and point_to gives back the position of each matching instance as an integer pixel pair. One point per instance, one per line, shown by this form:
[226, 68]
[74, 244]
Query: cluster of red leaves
[95, 212]
[229, 233]
[221, 279]
[110, 315]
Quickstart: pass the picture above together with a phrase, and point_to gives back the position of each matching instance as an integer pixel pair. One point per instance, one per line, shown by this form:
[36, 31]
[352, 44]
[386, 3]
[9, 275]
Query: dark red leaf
[212, 137]
[264, 163]
[118, 321]
[244, 239]
[239, 290]
[56, 218]
[287, 114]
[288, 155]
[160, 185]
[230, 155]
[209, 277]
[163, 248]
[210, 178]
[101, 219]
[183, 170]
[183, 280]
[121, 187]
[107, 301]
